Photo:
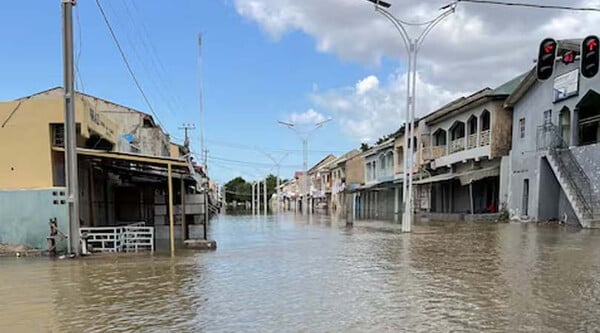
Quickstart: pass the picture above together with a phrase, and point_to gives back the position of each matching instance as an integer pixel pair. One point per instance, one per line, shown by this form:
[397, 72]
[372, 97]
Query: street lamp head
[381, 3]
[321, 123]
[285, 123]
[451, 5]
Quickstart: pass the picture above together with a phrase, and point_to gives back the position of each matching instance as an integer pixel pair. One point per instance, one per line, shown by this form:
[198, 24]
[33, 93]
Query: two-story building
[465, 142]
[115, 187]
[338, 181]
[319, 180]
[555, 156]
[376, 196]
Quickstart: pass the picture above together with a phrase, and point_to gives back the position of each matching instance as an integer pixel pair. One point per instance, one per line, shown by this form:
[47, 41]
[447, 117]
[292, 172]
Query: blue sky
[250, 79]
[266, 60]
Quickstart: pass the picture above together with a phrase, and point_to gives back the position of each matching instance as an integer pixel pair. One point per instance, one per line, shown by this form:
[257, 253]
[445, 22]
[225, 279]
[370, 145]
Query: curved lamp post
[412, 48]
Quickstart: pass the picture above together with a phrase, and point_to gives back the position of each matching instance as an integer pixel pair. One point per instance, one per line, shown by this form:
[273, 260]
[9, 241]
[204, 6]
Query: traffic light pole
[412, 48]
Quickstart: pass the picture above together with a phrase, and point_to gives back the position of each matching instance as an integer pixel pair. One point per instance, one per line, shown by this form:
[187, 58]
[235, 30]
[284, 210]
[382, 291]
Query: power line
[150, 60]
[266, 165]
[531, 5]
[257, 149]
[129, 69]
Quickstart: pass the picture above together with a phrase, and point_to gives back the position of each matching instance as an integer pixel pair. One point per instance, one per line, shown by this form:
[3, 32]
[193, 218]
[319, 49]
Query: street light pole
[253, 198]
[265, 196]
[277, 166]
[304, 136]
[412, 47]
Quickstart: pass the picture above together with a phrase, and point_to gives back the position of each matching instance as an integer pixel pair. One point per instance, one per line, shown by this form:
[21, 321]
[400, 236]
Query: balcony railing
[472, 141]
[433, 152]
[457, 145]
[485, 138]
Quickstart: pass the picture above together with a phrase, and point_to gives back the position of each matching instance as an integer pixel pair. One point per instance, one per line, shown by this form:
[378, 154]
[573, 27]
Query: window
[522, 128]
[547, 117]
[485, 120]
[58, 135]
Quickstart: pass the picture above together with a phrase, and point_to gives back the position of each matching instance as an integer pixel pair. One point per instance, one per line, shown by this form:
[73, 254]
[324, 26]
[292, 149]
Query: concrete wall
[26, 213]
[355, 170]
[501, 131]
[504, 191]
[550, 190]
[589, 159]
[26, 161]
[152, 141]
[525, 159]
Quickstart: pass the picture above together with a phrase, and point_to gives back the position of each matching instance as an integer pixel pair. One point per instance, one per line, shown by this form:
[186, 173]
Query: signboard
[566, 85]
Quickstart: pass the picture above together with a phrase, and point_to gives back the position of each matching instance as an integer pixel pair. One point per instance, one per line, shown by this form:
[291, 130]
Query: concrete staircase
[576, 185]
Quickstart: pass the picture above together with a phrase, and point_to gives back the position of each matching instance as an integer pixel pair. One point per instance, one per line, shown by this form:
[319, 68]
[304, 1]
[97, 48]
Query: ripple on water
[289, 274]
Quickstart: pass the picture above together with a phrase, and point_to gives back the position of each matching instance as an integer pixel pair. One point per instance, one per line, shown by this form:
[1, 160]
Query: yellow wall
[25, 143]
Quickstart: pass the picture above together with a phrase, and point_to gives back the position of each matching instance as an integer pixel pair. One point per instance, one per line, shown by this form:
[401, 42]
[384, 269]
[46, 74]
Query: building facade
[555, 156]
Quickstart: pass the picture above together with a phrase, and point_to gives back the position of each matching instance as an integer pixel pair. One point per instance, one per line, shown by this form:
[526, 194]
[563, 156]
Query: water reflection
[292, 273]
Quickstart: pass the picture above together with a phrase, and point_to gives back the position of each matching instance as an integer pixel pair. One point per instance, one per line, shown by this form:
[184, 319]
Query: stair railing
[550, 138]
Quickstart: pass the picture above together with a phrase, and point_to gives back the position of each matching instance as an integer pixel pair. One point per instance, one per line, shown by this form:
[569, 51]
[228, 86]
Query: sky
[269, 60]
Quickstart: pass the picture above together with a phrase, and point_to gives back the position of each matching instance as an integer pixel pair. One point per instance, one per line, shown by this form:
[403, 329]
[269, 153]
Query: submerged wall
[24, 215]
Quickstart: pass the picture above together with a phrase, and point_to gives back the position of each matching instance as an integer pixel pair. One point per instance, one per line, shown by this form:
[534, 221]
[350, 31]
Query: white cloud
[309, 117]
[368, 114]
[369, 83]
[478, 46]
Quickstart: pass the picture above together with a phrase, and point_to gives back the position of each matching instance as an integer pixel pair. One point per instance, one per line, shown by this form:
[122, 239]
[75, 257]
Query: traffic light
[546, 57]
[589, 56]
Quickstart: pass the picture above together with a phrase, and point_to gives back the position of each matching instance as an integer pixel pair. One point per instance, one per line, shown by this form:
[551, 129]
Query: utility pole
[201, 94]
[71, 170]
[186, 128]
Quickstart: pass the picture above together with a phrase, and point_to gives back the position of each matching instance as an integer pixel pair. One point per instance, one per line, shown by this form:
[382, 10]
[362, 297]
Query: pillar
[574, 130]
[396, 203]
[171, 220]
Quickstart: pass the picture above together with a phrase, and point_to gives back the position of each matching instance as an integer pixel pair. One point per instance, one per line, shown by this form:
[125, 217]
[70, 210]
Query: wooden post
[91, 196]
[183, 221]
[171, 220]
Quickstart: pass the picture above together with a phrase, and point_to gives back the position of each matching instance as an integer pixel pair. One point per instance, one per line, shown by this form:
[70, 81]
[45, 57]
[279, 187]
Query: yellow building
[30, 129]
[117, 185]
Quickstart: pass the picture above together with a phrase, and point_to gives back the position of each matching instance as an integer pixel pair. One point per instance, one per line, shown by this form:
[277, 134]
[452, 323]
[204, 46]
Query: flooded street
[288, 274]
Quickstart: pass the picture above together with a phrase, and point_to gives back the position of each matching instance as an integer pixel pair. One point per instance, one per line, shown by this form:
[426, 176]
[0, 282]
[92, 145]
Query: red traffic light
[546, 58]
[592, 44]
[590, 57]
[568, 57]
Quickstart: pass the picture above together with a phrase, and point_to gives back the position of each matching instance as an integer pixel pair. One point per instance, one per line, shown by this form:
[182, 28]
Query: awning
[435, 179]
[468, 177]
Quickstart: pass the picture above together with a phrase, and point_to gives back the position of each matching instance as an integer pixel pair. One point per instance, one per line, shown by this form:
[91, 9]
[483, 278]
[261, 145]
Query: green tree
[239, 190]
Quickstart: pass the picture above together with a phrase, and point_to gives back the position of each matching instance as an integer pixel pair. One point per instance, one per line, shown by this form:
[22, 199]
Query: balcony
[484, 139]
[431, 153]
[457, 145]
[472, 141]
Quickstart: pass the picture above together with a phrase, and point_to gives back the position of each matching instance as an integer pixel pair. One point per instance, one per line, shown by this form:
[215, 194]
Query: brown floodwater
[287, 274]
